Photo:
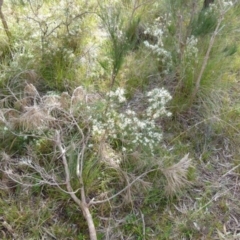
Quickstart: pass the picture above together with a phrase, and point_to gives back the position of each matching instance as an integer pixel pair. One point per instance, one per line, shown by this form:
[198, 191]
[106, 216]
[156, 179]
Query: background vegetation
[119, 119]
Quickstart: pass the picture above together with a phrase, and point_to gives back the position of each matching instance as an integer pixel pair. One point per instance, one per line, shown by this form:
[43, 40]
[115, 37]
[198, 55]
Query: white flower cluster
[118, 95]
[219, 6]
[157, 31]
[128, 127]
[158, 98]
[191, 50]
[141, 132]
[227, 3]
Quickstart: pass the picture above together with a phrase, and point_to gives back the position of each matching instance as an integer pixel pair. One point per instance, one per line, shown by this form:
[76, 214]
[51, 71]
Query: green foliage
[113, 22]
[5, 50]
[56, 68]
[230, 50]
[12, 142]
[205, 23]
[132, 32]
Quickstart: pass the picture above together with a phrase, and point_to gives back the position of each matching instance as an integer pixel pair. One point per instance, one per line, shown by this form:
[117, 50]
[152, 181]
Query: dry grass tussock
[34, 112]
[34, 118]
[176, 175]
[80, 95]
[109, 156]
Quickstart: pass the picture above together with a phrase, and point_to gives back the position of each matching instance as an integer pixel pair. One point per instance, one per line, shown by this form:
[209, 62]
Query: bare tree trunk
[207, 3]
[4, 22]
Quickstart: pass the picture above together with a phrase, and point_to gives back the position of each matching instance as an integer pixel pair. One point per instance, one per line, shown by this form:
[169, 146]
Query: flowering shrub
[158, 98]
[191, 51]
[158, 32]
[125, 126]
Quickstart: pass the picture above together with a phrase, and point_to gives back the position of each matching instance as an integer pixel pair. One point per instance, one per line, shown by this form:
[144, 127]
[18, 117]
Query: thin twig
[92, 202]
[143, 225]
[214, 198]
[232, 169]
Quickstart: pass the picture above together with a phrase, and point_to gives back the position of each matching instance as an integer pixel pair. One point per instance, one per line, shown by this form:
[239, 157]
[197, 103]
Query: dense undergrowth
[119, 119]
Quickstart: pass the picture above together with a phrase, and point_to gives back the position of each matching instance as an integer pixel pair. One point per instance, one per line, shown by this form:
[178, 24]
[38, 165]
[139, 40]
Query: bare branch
[81, 203]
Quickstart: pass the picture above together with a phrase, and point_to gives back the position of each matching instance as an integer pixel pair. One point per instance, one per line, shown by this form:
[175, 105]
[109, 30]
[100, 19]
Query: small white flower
[124, 149]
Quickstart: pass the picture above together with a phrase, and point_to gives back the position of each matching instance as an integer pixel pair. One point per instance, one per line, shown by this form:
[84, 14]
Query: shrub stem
[205, 61]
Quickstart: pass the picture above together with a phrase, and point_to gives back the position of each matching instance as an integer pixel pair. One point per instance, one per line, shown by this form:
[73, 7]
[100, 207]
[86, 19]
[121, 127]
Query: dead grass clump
[7, 114]
[30, 91]
[2, 117]
[65, 100]
[109, 156]
[22, 103]
[51, 101]
[80, 95]
[176, 175]
[34, 118]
